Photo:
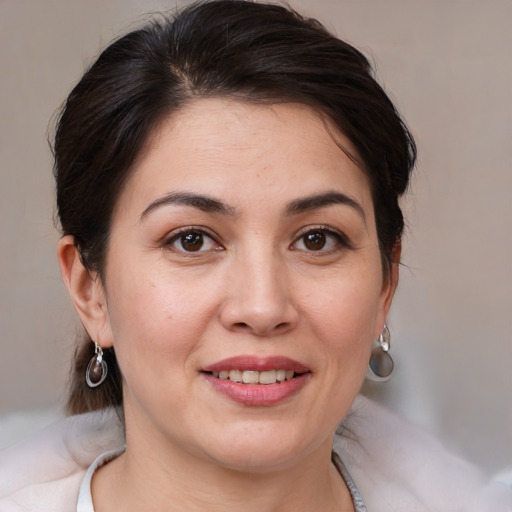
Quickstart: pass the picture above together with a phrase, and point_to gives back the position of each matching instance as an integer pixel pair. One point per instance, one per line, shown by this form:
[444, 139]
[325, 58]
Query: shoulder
[44, 471]
[397, 467]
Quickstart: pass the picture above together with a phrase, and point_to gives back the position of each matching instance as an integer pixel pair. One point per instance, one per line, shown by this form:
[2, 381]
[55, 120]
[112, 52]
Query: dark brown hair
[232, 48]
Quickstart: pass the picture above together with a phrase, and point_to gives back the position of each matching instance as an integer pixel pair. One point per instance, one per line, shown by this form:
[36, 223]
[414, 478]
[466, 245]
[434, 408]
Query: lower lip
[258, 394]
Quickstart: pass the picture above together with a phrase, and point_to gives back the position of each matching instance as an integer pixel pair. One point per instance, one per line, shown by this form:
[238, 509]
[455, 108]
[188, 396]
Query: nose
[259, 297]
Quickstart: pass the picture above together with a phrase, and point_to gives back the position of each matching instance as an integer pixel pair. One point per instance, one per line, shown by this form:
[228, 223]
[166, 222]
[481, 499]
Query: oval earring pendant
[380, 366]
[96, 371]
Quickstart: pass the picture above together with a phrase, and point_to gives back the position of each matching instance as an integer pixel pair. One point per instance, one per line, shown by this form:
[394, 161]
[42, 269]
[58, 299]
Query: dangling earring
[380, 366]
[97, 368]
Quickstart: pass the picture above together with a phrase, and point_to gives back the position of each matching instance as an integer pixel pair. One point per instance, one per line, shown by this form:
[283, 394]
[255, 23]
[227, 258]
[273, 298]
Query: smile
[257, 381]
[254, 376]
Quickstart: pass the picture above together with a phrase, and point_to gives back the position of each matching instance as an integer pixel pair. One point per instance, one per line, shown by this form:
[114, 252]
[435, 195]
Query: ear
[86, 292]
[389, 285]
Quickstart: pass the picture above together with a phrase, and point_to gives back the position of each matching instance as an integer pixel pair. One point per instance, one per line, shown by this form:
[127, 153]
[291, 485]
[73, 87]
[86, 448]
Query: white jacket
[396, 466]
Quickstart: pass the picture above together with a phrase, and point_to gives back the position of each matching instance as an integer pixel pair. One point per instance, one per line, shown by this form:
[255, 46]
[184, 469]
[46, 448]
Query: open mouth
[257, 381]
[256, 377]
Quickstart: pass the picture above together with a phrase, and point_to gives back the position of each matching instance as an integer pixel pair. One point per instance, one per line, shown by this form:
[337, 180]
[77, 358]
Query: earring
[380, 366]
[97, 368]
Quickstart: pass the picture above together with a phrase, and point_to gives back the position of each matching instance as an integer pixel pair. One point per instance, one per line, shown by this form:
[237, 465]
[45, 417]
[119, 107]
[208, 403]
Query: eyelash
[340, 240]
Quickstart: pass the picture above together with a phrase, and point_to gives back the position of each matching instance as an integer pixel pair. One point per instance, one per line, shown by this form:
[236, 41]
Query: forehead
[241, 151]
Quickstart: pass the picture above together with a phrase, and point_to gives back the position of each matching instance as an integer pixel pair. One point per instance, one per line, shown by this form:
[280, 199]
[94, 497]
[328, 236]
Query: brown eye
[192, 241]
[321, 240]
[315, 241]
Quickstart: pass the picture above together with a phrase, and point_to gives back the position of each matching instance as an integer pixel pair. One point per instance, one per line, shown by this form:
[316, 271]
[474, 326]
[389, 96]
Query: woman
[227, 187]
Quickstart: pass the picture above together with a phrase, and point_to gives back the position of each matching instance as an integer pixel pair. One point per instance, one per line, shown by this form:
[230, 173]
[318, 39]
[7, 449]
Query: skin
[256, 287]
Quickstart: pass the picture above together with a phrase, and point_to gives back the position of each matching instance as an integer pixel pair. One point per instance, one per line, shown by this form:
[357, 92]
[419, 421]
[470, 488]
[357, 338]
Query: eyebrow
[296, 207]
[201, 202]
[315, 202]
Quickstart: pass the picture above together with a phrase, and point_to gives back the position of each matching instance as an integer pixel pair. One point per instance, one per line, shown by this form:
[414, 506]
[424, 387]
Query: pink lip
[257, 394]
[259, 364]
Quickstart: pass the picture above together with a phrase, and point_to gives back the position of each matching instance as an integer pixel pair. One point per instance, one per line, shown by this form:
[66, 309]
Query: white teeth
[235, 375]
[268, 377]
[255, 377]
[250, 377]
[281, 375]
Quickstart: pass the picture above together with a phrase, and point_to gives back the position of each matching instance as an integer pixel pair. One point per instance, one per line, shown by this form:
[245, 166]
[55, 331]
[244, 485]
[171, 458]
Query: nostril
[243, 326]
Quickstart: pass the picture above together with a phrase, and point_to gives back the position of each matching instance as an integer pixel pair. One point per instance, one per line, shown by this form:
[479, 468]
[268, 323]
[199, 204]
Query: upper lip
[250, 362]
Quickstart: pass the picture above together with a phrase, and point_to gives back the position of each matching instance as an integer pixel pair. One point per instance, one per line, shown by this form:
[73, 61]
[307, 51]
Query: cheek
[155, 319]
[346, 307]
[344, 322]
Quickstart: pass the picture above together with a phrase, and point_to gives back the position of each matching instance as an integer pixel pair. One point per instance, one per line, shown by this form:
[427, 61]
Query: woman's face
[244, 245]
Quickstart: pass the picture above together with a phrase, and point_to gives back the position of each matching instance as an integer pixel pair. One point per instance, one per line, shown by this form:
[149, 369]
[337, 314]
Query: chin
[262, 448]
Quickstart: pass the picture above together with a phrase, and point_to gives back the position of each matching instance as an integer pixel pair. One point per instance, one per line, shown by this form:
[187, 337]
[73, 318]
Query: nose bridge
[263, 275]
[259, 297]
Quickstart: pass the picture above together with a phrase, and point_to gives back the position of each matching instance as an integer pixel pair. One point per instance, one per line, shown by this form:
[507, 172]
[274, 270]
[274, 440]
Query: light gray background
[447, 64]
